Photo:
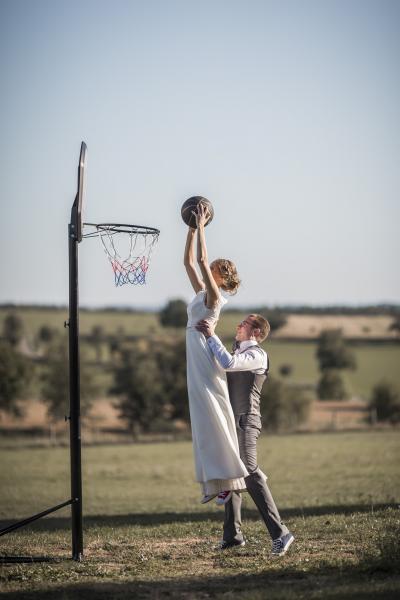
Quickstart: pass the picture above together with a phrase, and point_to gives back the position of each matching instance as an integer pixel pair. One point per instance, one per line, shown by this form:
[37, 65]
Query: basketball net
[130, 260]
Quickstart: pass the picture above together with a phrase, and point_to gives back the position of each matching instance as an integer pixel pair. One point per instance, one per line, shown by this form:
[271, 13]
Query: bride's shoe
[223, 497]
[207, 498]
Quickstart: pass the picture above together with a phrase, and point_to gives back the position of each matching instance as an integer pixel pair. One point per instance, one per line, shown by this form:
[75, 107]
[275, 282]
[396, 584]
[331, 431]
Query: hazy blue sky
[285, 114]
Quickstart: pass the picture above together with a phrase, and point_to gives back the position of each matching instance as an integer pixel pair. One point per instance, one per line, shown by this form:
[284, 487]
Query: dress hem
[215, 486]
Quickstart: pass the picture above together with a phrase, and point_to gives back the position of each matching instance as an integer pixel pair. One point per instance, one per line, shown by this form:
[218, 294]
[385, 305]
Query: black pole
[74, 395]
[29, 520]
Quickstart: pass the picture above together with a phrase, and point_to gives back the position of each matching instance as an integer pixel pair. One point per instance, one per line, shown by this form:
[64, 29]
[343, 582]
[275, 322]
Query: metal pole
[74, 395]
[24, 522]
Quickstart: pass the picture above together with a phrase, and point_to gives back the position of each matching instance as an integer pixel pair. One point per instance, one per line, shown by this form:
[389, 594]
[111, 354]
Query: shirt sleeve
[250, 360]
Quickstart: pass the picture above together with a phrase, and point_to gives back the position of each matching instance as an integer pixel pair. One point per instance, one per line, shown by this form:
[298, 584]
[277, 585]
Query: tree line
[149, 376]
[285, 309]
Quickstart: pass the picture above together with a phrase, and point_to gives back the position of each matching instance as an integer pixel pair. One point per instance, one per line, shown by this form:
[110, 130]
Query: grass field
[131, 323]
[147, 536]
[374, 363]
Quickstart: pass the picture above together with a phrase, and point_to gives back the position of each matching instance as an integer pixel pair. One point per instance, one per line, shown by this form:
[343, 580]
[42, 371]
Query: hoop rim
[119, 228]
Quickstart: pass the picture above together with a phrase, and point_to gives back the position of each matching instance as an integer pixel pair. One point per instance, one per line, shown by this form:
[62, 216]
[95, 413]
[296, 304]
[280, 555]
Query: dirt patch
[364, 327]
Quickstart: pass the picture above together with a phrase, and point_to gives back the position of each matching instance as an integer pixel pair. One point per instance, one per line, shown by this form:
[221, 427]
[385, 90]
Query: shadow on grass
[361, 582]
[27, 559]
[163, 518]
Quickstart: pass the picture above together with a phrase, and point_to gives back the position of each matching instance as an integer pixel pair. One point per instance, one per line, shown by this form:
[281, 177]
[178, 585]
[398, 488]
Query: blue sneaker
[281, 545]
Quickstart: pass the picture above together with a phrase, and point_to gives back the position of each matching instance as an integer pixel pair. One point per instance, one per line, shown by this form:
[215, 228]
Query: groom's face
[244, 331]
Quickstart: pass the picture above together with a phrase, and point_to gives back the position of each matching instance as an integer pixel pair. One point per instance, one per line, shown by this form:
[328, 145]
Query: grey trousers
[248, 429]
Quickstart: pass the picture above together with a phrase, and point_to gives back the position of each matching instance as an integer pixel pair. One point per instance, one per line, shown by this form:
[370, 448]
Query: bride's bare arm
[202, 258]
[189, 262]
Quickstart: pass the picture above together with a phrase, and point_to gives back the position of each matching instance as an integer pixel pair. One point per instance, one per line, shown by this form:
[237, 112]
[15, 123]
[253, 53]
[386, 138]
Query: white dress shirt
[244, 358]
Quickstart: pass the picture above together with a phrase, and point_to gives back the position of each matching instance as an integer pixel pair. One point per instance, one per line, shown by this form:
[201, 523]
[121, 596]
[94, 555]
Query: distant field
[297, 326]
[374, 361]
[353, 326]
[130, 323]
[146, 536]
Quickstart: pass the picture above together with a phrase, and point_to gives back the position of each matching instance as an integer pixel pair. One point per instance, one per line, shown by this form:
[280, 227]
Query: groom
[247, 370]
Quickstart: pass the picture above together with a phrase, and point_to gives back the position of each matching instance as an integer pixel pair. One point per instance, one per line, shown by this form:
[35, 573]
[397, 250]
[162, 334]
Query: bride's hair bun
[229, 275]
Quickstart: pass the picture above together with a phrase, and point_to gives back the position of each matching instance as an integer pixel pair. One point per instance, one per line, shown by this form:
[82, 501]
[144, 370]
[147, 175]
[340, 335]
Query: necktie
[235, 346]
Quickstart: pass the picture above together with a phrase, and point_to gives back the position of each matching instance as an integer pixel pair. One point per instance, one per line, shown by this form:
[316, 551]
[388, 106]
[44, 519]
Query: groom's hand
[206, 328]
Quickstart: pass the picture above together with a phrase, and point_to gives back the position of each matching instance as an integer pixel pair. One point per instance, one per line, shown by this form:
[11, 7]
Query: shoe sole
[203, 501]
[240, 545]
[290, 542]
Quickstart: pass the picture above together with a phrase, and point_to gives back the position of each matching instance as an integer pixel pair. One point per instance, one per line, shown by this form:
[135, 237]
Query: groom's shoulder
[257, 348]
[261, 351]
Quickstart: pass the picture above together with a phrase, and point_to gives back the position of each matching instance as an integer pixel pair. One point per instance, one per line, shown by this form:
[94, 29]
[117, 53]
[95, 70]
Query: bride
[219, 468]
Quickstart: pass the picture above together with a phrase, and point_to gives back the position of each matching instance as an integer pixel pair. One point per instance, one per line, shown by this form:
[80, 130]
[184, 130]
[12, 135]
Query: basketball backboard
[77, 207]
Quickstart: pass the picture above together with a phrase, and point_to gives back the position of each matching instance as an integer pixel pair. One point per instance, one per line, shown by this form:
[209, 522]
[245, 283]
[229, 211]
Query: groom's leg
[248, 433]
[233, 519]
[262, 497]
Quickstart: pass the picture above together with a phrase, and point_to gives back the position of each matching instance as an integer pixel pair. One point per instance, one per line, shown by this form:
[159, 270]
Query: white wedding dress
[215, 445]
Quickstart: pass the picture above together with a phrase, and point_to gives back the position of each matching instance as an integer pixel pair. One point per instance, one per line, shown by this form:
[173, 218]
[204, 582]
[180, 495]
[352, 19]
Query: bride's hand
[202, 215]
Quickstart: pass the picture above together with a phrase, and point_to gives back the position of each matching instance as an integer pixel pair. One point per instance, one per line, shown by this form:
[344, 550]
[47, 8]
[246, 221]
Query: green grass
[147, 536]
[374, 363]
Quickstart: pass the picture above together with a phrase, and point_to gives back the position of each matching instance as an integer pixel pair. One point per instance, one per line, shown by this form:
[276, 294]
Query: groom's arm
[250, 360]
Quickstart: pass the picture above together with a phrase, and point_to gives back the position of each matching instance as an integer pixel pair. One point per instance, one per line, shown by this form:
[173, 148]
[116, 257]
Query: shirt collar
[246, 344]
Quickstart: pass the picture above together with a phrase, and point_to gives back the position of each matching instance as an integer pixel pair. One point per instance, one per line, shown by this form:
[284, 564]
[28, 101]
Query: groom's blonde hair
[262, 324]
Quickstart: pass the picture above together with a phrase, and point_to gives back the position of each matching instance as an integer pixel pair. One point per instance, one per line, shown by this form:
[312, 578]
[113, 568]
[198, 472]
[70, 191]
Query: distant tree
[15, 375]
[276, 319]
[332, 352]
[114, 344]
[395, 325]
[174, 314]
[333, 355]
[138, 383]
[283, 406]
[97, 339]
[171, 361]
[285, 370]
[13, 329]
[150, 379]
[55, 382]
[46, 334]
[330, 386]
[385, 402]
[115, 341]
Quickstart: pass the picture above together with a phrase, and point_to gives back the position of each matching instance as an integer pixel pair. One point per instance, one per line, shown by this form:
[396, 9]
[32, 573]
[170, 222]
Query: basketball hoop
[130, 262]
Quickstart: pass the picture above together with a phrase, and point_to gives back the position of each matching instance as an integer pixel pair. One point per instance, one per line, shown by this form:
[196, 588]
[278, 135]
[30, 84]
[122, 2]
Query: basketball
[191, 204]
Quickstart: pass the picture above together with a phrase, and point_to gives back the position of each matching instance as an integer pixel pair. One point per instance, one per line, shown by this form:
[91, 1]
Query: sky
[284, 114]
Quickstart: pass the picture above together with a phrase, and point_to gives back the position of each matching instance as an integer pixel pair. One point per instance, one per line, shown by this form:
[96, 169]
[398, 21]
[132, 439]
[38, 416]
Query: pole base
[78, 557]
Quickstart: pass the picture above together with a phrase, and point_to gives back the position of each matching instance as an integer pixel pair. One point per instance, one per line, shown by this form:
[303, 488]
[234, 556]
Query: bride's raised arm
[189, 262]
[212, 289]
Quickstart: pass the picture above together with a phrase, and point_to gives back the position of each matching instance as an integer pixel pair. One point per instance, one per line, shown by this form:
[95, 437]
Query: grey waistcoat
[245, 389]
